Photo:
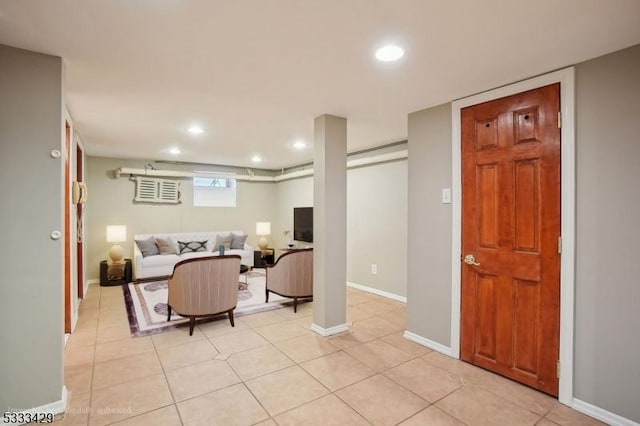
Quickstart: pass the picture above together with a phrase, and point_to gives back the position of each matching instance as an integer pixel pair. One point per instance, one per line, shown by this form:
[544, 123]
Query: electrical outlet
[374, 268]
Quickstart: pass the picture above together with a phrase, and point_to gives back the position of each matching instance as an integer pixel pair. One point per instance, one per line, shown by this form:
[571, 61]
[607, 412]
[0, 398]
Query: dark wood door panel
[511, 223]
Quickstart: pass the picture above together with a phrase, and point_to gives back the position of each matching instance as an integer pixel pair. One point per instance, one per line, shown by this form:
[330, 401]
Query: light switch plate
[446, 195]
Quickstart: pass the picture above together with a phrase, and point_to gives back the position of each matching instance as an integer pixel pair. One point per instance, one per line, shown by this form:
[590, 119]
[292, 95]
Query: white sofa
[161, 265]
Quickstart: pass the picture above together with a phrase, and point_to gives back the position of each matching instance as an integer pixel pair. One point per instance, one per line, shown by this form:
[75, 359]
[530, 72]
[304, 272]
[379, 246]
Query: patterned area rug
[147, 304]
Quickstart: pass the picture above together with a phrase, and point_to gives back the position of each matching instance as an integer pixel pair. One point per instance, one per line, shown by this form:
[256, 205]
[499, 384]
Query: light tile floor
[272, 370]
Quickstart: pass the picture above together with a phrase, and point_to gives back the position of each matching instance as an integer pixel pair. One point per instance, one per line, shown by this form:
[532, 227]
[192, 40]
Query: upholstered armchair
[291, 276]
[204, 286]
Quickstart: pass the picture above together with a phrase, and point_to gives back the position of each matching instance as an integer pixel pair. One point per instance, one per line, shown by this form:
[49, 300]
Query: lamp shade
[263, 228]
[116, 233]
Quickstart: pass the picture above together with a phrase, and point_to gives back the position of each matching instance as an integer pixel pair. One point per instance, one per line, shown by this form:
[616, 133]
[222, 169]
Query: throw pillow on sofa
[237, 241]
[223, 241]
[192, 246]
[148, 247]
[165, 246]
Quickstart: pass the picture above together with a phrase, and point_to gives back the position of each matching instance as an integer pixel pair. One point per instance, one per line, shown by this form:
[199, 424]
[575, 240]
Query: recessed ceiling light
[195, 130]
[299, 145]
[389, 53]
[256, 159]
[175, 151]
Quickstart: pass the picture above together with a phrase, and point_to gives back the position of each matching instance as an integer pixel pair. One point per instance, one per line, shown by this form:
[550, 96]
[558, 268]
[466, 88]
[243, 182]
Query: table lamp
[116, 234]
[262, 230]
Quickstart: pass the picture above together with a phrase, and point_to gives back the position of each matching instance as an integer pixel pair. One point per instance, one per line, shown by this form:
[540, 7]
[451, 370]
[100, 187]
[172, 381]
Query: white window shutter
[153, 190]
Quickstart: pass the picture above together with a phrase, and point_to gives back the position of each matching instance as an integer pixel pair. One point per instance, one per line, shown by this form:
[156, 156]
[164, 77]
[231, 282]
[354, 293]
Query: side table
[261, 258]
[115, 274]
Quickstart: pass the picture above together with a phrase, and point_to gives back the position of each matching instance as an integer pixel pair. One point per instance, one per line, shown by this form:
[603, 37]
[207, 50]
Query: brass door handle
[470, 260]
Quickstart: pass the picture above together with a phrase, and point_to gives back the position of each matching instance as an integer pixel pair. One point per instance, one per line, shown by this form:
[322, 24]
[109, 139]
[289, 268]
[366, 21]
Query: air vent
[152, 190]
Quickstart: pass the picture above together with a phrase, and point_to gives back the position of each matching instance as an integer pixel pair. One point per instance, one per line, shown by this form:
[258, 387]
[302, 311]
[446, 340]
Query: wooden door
[511, 226]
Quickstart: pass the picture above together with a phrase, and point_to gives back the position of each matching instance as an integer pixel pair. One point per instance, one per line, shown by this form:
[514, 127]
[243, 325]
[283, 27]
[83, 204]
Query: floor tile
[337, 370]
[238, 342]
[378, 355]
[83, 355]
[282, 331]
[405, 345]
[124, 380]
[429, 382]
[328, 410]
[177, 337]
[221, 327]
[268, 422]
[201, 378]
[285, 389]
[258, 362]
[128, 399]
[355, 314]
[116, 332]
[523, 396]
[123, 348]
[116, 371]
[432, 416]
[565, 416]
[469, 373]
[230, 406]
[77, 378]
[190, 353]
[261, 319]
[545, 422]
[381, 401]
[78, 409]
[344, 340]
[478, 406]
[167, 416]
[306, 347]
[372, 328]
[83, 337]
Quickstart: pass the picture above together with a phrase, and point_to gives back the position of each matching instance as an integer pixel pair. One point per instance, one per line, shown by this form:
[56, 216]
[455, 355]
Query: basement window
[214, 192]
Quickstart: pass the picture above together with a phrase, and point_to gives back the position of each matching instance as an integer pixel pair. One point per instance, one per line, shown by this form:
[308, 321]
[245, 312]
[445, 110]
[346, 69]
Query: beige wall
[31, 290]
[110, 202]
[607, 347]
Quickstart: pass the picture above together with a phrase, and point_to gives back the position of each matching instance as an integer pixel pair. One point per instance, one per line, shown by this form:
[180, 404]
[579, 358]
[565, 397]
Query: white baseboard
[55, 407]
[93, 281]
[601, 414]
[382, 293]
[428, 343]
[325, 332]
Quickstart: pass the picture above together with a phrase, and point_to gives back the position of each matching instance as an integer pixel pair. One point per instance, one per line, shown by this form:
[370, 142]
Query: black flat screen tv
[303, 224]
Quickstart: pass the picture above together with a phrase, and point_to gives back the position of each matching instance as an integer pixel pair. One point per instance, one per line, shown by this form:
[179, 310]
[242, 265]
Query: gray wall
[377, 226]
[31, 291]
[110, 202]
[607, 332]
[607, 340]
[429, 241]
[376, 222]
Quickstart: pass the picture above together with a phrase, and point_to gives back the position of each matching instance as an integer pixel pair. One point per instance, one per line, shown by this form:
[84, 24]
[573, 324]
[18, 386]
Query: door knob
[470, 260]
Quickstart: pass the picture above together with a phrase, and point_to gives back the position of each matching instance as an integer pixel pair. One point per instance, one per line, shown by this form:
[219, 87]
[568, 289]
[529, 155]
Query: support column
[330, 225]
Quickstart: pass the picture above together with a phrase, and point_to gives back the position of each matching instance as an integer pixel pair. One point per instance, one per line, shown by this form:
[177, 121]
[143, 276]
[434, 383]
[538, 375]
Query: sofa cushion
[165, 245]
[148, 247]
[237, 241]
[192, 246]
[168, 260]
[223, 240]
[192, 255]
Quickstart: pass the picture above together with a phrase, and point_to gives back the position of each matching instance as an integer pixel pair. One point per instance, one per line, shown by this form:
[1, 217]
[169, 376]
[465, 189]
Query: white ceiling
[255, 73]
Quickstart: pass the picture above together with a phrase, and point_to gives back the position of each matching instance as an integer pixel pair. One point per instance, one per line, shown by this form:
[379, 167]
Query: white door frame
[567, 222]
